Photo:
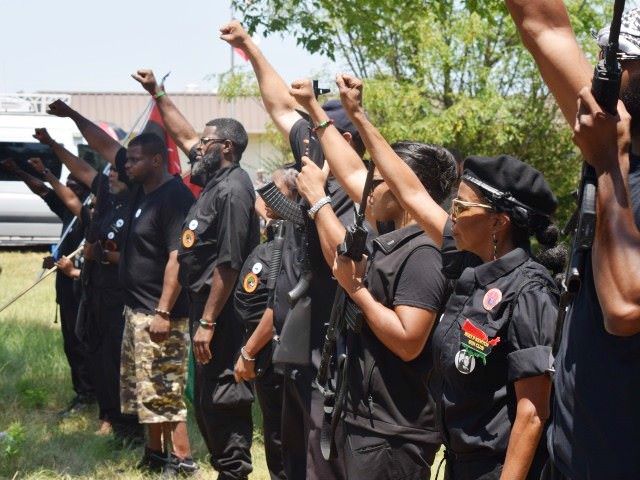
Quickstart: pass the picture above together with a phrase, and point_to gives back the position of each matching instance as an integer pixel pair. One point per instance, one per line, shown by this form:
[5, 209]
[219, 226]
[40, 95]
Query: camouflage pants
[152, 375]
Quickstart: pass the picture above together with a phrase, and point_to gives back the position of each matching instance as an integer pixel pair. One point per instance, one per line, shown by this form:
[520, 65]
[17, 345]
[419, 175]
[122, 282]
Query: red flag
[156, 125]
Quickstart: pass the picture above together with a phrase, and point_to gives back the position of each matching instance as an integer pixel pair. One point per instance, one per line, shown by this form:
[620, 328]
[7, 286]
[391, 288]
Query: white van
[24, 217]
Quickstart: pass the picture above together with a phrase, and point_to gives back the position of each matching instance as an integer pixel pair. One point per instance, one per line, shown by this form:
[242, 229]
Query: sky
[74, 45]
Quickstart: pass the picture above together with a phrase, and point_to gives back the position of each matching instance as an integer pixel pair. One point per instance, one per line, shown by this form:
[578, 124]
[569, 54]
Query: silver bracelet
[245, 355]
[317, 206]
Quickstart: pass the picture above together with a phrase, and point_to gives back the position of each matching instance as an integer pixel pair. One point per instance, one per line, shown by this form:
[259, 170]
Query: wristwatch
[317, 206]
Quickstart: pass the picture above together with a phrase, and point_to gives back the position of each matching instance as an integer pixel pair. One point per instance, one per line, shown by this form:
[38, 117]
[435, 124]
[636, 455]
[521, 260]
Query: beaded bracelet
[322, 125]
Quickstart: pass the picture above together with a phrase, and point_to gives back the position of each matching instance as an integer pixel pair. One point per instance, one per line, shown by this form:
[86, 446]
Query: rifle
[293, 344]
[605, 88]
[344, 315]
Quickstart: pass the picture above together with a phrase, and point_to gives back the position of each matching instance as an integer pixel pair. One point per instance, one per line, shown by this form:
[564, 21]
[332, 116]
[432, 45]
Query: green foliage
[451, 72]
[31, 396]
[11, 440]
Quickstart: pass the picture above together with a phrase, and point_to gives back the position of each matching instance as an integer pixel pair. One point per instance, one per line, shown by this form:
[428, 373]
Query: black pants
[269, 393]
[302, 414]
[384, 457]
[551, 472]
[74, 349]
[222, 408]
[103, 338]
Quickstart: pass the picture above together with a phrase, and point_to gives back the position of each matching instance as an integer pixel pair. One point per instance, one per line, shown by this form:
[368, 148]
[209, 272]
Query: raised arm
[604, 141]
[97, 138]
[311, 181]
[64, 193]
[546, 32]
[404, 184]
[177, 125]
[78, 167]
[274, 91]
[36, 185]
[345, 164]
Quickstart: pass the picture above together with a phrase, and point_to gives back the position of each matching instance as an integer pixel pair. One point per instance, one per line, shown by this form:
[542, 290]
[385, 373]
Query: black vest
[387, 394]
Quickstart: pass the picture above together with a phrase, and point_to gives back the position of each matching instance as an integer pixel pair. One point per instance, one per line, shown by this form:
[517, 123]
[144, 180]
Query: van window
[21, 152]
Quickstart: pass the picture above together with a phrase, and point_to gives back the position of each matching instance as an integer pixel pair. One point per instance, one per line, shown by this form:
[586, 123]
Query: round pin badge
[111, 235]
[465, 363]
[250, 282]
[119, 223]
[492, 298]
[138, 212]
[193, 224]
[188, 238]
[257, 268]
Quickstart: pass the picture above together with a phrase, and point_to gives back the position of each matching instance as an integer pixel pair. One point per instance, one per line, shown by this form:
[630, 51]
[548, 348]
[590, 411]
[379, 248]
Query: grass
[35, 384]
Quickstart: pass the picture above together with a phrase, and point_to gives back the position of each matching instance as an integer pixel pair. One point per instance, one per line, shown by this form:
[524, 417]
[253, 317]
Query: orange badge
[188, 238]
[250, 282]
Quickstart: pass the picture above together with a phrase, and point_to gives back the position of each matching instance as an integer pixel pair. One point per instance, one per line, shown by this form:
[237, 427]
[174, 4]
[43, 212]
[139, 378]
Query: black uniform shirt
[323, 286]
[476, 402]
[108, 224]
[152, 233]
[387, 394]
[221, 228]
[65, 289]
[251, 293]
[595, 432]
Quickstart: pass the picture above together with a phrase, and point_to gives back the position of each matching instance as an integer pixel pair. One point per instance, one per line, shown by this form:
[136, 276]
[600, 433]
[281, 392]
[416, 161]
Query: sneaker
[77, 404]
[152, 460]
[176, 466]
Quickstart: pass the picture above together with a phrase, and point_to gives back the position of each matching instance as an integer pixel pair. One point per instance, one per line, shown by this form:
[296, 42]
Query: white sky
[86, 45]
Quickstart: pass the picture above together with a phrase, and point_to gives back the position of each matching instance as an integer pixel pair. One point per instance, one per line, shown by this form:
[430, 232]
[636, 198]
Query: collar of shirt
[220, 175]
[491, 271]
[393, 240]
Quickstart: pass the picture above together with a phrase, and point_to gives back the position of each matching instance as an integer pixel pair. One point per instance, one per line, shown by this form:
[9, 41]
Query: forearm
[399, 177]
[280, 105]
[36, 185]
[78, 168]
[74, 273]
[64, 193]
[616, 251]
[331, 233]
[262, 335]
[176, 124]
[98, 139]
[222, 284]
[170, 286]
[523, 441]
[386, 325]
[346, 165]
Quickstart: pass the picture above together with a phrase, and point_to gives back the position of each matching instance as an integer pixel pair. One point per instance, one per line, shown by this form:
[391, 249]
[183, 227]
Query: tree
[451, 72]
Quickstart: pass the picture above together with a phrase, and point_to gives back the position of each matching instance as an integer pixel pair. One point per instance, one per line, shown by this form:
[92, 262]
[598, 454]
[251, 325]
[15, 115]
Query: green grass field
[35, 385]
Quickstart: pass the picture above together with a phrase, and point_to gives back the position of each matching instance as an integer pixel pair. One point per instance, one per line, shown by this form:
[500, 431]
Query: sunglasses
[458, 206]
[204, 141]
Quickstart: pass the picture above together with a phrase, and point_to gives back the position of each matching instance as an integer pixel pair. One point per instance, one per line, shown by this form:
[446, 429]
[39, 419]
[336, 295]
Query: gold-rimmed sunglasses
[458, 206]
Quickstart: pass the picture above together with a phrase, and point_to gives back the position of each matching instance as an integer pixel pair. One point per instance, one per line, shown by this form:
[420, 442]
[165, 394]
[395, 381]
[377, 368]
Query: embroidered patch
[250, 282]
[188, 238]
[492, 298]
[465, 363]
[193, 224]
[257, 268]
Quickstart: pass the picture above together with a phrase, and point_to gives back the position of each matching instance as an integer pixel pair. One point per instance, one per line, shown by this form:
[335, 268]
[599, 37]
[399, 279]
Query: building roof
[124, 108]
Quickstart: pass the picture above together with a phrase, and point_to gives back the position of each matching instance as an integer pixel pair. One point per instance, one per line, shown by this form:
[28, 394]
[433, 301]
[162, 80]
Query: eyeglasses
[204, 141]
[458, 206]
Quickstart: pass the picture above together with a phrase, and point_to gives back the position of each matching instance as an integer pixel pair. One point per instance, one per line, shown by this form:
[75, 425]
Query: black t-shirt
[387, 394]
[595, 432]
[221, 228]
[152, 233]
[498, 328]
[67, 289]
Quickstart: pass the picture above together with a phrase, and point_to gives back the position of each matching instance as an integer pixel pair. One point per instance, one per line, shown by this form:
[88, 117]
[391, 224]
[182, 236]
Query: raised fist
[350, 89]
[10, 165]
[302, 91]
[234, 34]
[43, 136]
[59, 109]
[148, 80]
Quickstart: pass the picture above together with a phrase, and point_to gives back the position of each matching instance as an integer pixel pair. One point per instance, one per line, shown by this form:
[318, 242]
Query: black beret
[341, 120]
[507, 181]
